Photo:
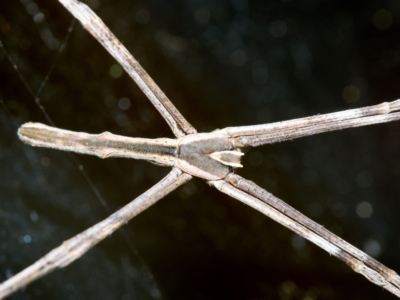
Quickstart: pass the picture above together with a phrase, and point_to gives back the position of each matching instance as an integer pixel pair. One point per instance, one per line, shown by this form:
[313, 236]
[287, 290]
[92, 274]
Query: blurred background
[222, 63]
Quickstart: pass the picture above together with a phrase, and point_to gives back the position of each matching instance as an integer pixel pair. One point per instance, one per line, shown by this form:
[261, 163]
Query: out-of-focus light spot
[39, 17]
[32, 8]
[382, 19]
[171, 42]
[116, 71]
[287, 288]
[315, 209]
[238, 58]
[124, 103]
[34, 216]
[27, 239]
[278, 29]
[142, 16]
[351, 94]
[364, 179]
[372, 247]
[364, 209]
[146, 116]
[298, 242]
[202, 15]
[45, 161]
[8, 273]
[122, 120]
[187, 190]
[256, 158]
[110, 100]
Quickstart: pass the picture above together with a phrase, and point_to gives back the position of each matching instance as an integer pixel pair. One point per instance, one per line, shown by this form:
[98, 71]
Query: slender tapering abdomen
[160, 151]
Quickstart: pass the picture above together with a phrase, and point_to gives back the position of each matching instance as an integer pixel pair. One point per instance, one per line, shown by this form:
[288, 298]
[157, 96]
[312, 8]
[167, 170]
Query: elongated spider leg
[353, 262]
[75, 247]
[96, 27]
[257, 135]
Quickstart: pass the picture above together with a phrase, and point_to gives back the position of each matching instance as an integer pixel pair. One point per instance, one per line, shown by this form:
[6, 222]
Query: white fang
[229, 158]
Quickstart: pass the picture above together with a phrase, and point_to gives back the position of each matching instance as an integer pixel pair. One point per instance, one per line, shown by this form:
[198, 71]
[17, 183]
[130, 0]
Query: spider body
[210, 156]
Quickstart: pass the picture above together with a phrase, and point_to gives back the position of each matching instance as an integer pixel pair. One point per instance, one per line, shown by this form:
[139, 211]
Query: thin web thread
[156, 292]
[35, 96]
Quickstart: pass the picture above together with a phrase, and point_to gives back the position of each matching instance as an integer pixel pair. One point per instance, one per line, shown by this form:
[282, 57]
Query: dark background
[222, 63]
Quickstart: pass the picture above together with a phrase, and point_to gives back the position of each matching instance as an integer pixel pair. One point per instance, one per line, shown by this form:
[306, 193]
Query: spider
[254, 159]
